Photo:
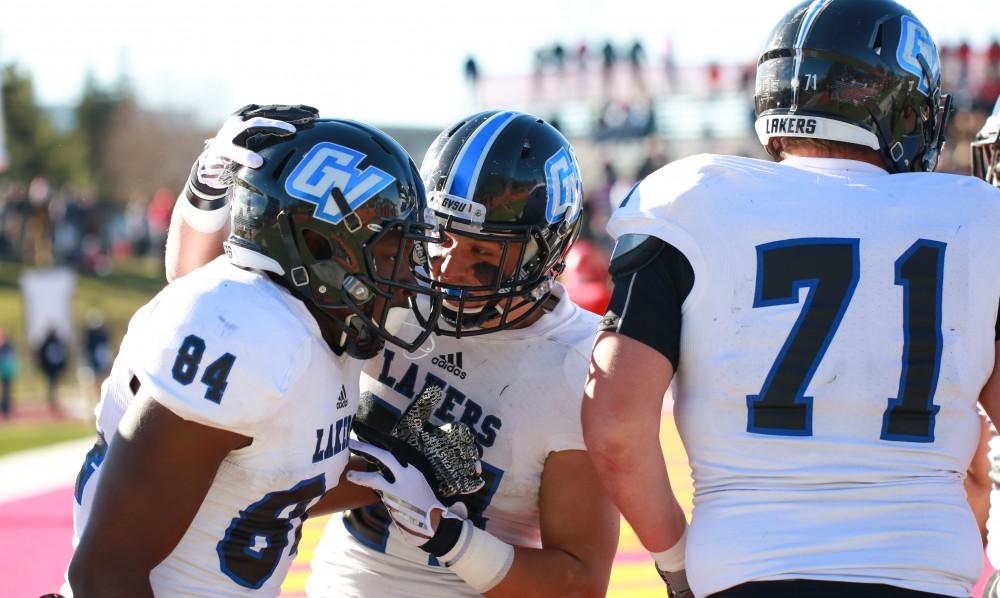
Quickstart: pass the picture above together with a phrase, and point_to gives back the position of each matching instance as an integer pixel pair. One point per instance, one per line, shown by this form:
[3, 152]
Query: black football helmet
[859, 71]
[986, 149]
[337, 215]
[510, 179]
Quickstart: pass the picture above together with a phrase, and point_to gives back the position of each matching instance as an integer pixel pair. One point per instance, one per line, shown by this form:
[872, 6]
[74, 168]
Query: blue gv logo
[564, 188]
[328, 165]
[915, 41]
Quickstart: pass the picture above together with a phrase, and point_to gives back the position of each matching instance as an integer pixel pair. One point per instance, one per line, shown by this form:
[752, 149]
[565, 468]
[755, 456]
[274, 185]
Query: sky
[390, 62]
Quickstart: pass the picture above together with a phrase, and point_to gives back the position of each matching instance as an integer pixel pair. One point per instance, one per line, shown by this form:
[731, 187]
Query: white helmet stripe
[814, 127]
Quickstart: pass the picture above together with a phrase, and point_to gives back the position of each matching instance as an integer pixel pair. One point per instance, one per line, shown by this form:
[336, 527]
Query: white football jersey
[230, 349]
[993, 520]
[520, 391]
[839, 330]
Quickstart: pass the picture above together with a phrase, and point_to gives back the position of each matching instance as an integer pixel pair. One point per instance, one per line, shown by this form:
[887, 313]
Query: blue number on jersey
[189, 359]
[255, 541]
[830, 269]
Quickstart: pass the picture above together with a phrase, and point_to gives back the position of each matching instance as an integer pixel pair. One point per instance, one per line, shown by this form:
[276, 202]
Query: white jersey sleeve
[565, 431]
[204, 359]
[230, 349]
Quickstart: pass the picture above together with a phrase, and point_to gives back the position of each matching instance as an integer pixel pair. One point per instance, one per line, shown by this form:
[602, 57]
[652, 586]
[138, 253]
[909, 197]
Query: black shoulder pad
[633, 252]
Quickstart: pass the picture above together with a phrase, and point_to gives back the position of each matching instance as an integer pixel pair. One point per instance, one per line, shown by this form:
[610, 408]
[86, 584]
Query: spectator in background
[52, 360]
[8, 370]
[471, 72]
[559, 58]
[636, 59]
[582, 55]
[96, 352]
[158, 217]
[538, 71]
[670, 66]
[608, 59]
[993, 59]
[471, 69]
[964, 54]
[714, 77]
[655, 159]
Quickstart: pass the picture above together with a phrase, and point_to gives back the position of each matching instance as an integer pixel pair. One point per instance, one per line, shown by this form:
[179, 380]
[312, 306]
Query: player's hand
[450, 449]
[447, 455]
[229, 144]
[407, 496]
[205, 205]
[677, 583]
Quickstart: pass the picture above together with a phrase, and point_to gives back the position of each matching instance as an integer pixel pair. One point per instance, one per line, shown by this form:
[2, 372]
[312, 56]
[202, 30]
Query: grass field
[117, 296]
[19, 436]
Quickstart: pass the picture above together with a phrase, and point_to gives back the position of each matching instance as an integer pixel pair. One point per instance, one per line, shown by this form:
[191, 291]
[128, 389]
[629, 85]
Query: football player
[228, 410]
[986, 149]
[510, 356]
[986, 165]
[831, 321]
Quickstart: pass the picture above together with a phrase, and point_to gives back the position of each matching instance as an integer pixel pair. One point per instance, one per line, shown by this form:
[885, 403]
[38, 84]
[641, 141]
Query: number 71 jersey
[229, 349]
[840, 328]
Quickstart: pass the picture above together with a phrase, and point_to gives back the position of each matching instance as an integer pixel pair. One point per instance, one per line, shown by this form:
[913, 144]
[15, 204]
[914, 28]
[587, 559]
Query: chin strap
[492, 310]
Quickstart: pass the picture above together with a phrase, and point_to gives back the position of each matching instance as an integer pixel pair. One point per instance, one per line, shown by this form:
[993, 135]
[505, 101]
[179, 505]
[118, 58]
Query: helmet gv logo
[914, 40]
[328, 165]
[564, 187]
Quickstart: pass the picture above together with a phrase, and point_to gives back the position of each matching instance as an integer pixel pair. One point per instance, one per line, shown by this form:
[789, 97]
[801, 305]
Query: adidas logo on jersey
[451, 363]
[342, 399]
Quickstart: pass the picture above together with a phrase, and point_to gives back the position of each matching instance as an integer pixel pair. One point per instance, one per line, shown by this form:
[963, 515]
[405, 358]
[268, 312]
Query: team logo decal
[914, 41]
[564, 187]
[330, 165]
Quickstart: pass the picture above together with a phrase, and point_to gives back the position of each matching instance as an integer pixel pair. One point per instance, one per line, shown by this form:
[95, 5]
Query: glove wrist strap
[207, 219]
[479, 558]
[203, 208]
[446, 537]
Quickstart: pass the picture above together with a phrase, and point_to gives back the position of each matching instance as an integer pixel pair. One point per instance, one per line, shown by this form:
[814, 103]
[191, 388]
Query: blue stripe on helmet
[467, 169]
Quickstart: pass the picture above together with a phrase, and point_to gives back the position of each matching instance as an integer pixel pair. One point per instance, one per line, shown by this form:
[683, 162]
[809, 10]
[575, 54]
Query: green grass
[117, 295]
[25, 435]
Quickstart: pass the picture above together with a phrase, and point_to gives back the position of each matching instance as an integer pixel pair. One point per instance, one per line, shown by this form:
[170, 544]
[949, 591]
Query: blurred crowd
[618, 102]
[42, 227]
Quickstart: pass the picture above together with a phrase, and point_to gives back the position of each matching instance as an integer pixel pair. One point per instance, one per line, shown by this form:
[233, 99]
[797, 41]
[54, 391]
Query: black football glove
[447, 455]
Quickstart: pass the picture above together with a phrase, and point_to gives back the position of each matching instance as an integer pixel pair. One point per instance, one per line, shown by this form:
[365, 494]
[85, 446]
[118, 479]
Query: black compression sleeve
[646, 301]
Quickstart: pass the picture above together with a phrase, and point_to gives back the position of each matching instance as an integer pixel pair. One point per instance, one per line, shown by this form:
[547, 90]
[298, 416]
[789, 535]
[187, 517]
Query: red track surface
[36, 545]
[35, 536]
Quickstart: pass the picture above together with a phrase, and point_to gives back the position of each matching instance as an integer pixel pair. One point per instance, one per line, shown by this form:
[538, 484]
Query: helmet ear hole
[319, 246]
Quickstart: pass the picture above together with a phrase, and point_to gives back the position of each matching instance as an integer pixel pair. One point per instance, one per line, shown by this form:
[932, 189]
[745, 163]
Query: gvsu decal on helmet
[564, 187]
[327, 166]
[914, 42]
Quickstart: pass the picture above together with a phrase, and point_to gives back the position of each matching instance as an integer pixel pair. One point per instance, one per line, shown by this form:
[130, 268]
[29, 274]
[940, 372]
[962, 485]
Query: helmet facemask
[380, 299]
[986, 150]
[516, 269]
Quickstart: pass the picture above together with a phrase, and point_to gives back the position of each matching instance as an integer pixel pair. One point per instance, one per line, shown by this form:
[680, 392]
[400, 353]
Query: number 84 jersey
[839, 331]
[230, 349]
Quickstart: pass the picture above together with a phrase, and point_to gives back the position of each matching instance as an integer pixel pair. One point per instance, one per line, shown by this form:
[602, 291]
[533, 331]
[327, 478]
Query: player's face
[463, 261]
[393, 260]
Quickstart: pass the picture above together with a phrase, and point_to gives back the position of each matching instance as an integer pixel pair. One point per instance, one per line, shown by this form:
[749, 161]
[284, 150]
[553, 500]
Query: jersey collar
[833, 165]
[562, 312]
